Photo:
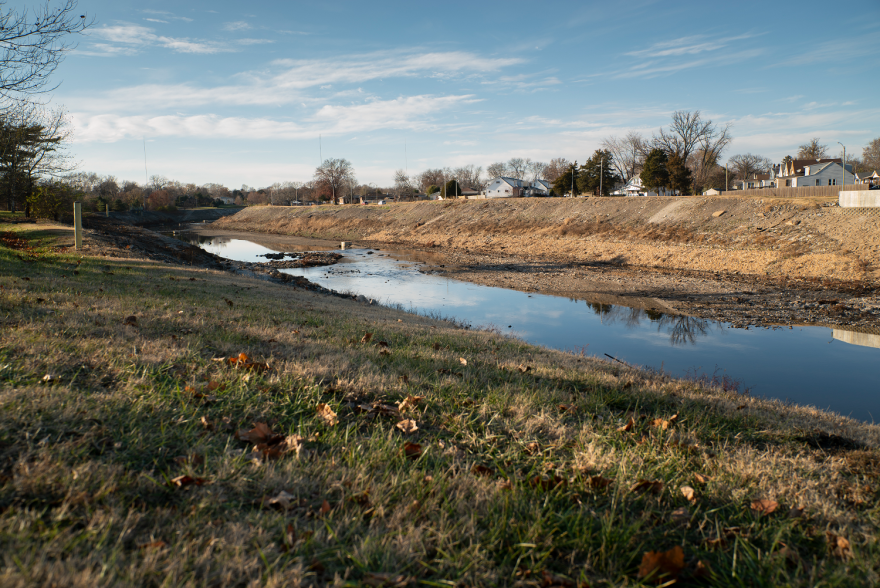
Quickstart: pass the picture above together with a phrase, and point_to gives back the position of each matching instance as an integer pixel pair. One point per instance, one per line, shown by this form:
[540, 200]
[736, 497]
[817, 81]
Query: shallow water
[831, 369]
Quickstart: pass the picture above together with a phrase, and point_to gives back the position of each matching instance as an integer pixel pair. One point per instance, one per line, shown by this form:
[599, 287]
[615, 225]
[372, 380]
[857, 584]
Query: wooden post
[77, 225]
[108, 211]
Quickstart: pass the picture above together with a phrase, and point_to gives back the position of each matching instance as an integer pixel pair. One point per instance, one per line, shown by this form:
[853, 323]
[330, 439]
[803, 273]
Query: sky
[259, 92]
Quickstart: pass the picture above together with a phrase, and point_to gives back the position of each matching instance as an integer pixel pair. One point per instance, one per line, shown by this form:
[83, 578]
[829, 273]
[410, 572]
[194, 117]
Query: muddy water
[832, 369]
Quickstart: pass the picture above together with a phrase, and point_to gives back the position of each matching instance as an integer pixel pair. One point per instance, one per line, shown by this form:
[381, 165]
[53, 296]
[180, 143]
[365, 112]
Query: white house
[756, 181]
[871, 177]
[504, 187]
[814, 172]
[634, 187]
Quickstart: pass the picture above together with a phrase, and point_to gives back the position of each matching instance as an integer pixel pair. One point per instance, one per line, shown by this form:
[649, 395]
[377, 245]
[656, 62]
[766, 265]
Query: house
[814, 172]
[712, 192]
[755, 182]
[871, 177]
[227, 199]
[539, 188]
[503, 187]
[634, 187]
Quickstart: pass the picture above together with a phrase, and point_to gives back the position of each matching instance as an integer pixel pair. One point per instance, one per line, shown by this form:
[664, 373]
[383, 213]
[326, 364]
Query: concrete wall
[859, 199]
[854, 338]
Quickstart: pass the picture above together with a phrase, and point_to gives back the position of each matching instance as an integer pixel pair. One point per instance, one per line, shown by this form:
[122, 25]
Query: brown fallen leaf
[412, 450]
[532, 448]
[408, 426]
[567, 408]
[194, 459]
[386, 579]
[325, 507]
[404, 378]
[524, 369]
[462, 361]
[130, 321]
[688, 493]
[481, 470]
[366, 338]
[181, 481]
[261, 433]
[652, 486]
[702, 478]
[159, 544]
[207, 424]
[409, 402]
[326, 413]
[436, 346]
[628, 426]
[600, 482]
[212, 385]
[284, 501]
[838, 545]
[662, 423]
[382, 343]
[662, 564]
[763, 506]
[681, 514]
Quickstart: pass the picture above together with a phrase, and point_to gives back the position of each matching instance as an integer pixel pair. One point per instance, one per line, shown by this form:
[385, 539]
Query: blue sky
[239, 93]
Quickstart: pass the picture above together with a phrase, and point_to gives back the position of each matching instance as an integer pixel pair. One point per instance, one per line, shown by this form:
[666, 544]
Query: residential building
[754, 182]
[871, 177]
[814, 172]
[504, 187]
[634, 187]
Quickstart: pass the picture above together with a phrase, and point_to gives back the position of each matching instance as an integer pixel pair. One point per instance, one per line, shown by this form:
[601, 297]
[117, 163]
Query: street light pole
[573, 167]
[843, 175]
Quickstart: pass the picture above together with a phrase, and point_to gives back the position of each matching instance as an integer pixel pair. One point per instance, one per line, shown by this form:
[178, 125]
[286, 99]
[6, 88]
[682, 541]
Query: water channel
[832, 369]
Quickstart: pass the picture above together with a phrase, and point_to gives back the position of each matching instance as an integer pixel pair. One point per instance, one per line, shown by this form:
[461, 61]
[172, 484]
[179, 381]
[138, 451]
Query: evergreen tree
[451, 189]
[563, 183]
[679, 174]
[598, 173]
[654, 174]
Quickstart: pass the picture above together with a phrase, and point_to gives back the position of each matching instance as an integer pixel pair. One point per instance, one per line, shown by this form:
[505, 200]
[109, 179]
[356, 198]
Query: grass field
[357, 445]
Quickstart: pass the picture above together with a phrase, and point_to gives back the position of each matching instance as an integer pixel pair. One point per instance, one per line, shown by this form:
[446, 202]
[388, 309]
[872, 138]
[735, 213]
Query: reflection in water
[856, 338]
[682, 329]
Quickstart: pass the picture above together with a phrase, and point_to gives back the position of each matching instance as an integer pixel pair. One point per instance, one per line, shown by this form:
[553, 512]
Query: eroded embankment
[793, 239]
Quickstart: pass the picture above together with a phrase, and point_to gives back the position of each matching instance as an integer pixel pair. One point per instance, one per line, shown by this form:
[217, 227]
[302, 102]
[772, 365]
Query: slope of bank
[358, 445]
[799, 239]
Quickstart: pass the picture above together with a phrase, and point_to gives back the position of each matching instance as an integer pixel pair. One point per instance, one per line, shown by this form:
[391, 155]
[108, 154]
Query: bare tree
[431, 177]
[537, 170]
[33, 43]
[628, 154]
[335, 174]
[871, 155]
[557, 167]
[746, 165]
[403, 184]
[689, 133]
[812, 150]
[497, 170]
[517, 167]
[469, 176]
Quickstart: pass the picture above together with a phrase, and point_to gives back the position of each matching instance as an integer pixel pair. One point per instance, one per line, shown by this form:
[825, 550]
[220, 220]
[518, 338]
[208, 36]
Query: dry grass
[523, 470]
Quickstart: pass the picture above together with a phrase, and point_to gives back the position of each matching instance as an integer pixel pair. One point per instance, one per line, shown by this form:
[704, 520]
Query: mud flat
[745, 261]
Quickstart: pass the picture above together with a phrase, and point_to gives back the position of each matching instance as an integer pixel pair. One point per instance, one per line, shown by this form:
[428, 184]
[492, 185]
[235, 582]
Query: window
[788, 182]
[817, 182]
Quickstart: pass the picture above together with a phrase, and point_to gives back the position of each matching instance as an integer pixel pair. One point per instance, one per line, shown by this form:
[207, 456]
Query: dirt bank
[748, 261]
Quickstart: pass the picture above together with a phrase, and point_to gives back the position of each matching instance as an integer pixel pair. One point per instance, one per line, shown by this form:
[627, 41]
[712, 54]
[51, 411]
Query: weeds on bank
[169, 426]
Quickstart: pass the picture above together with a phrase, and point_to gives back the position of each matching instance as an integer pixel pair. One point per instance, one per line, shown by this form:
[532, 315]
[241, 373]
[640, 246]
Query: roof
[798, 164]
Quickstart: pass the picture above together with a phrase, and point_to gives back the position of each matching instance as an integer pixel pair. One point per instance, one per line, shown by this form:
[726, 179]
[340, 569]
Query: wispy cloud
[413, 112]
[134, 36]
[166, 14]
[238, 25]
[675, 55]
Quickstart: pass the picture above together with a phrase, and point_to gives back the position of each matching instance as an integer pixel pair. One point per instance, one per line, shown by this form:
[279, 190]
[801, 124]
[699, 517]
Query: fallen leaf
[412, 450]
[524, 369]
[404, 378]
[681, 514]
[532, 448]
[763, 506]
[261, 433]
[325, 507]
[384, 352]
[436, 346]
[481, 470]
[382, 343]
[409, 402]
[130, 321]
[662, 564]
[407, 426]
[702, 571]
[628, 426]
[796, 512]
[462, 361]
[327, 414]
[229, 302]
[741, 406]
[206, 423]
[702, 478]
[194, 459]
[652, 486]
[662, 423]
[688, 493]
[504, 484]
[284, 501]
[212, 385]
[366, 338]
[154, 545]
[567, 407]
[386, 579]
[181, 481]
[600, 482]
[838, 545]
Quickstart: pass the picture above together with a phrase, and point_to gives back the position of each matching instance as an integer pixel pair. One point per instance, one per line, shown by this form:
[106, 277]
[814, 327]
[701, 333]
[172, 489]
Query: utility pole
[573, 167]
[843, 183]
[601, 172]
